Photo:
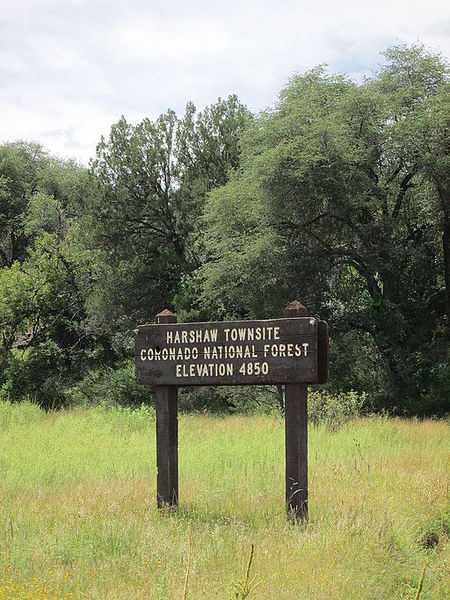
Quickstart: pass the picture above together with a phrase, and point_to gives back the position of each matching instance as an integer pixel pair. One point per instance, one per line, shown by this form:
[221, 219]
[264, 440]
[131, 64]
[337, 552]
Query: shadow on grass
[223, 516]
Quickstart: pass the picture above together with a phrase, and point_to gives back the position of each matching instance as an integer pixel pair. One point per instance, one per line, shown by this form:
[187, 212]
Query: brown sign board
[273, 351]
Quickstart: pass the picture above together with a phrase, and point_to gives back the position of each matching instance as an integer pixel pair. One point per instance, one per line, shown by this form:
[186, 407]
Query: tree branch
[404, 187]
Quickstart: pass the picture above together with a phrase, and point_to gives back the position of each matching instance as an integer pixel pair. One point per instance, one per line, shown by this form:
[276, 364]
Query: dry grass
[78, 516]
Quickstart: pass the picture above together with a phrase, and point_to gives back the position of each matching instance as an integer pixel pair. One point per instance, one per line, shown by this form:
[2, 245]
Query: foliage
[110, 386]
[338, 196]
[230, 399]
[143, 217]
[46, 336]
[37, 375]
[324, 407]
[19, 172]
[335, 410]
[335, 206]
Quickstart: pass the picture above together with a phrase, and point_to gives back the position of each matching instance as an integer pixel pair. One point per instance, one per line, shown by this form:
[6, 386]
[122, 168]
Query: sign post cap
[166, 316]
[166, 313]
[295, 309]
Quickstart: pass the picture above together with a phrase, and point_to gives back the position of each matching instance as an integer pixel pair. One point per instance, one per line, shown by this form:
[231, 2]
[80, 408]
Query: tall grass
[79, 518]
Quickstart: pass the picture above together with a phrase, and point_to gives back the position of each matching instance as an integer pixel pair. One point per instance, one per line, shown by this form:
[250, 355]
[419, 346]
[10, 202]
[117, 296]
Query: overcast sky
[70, 68]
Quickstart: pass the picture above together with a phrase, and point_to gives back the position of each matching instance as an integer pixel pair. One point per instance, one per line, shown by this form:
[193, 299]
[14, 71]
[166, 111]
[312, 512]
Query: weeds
[245, 586]
[335, 410]
[188, 569]
[419, 589]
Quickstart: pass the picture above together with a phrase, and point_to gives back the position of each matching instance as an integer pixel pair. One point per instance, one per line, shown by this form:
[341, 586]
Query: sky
[69, 69]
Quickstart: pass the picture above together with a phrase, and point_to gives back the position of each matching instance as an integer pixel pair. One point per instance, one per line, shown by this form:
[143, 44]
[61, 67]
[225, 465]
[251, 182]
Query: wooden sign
[228, 353]
[291, 351]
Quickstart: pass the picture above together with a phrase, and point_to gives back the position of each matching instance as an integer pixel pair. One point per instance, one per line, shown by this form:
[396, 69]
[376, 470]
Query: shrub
[36, 375]
[110, 386]
[335, 409]
[230, 399]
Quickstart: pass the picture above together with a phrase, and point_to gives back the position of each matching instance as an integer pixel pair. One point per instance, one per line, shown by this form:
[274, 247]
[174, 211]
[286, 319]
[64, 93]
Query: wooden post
[296, 427]
[166, 400]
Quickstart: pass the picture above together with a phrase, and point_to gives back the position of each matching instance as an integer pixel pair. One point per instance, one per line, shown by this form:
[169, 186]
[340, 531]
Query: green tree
[331, 206]
[153, 179]
[19, 167]
[45, 335]
[418, 84]
[35, 190]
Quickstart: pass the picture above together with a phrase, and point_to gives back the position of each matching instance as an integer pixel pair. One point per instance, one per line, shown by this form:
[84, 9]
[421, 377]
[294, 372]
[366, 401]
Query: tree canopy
[338, 196]
[152, 181]
[342, 200]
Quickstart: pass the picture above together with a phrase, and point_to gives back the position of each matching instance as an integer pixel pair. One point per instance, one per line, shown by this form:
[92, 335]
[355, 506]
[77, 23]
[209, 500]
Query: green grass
[78, 516]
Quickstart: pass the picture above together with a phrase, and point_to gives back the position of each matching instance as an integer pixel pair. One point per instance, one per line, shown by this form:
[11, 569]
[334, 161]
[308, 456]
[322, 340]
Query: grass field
[78, 516]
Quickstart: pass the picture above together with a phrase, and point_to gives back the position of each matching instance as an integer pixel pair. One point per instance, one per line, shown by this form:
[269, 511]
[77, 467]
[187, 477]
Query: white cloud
[70, 68]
